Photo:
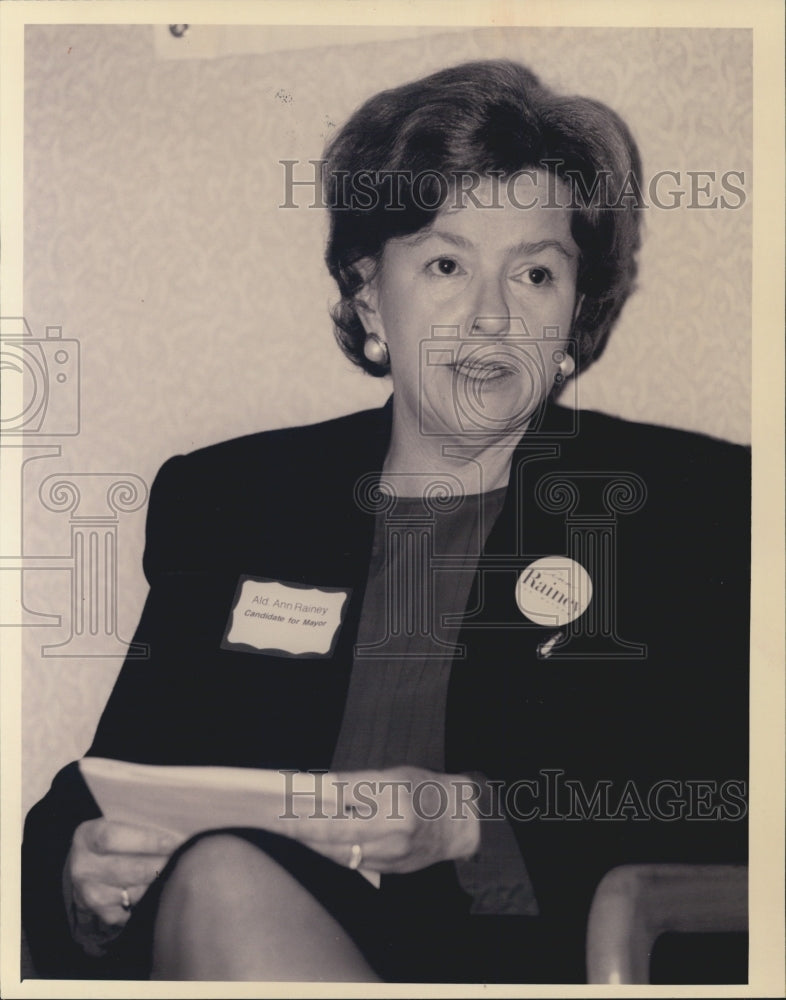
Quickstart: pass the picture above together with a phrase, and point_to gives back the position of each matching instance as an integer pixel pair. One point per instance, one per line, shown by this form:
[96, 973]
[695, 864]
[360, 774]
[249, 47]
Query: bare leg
[229, 912]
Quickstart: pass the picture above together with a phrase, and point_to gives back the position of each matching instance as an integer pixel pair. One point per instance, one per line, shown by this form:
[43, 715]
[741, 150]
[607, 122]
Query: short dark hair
[488, 118]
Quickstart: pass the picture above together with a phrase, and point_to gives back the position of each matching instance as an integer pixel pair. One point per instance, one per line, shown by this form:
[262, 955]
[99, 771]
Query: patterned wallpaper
[153, 236]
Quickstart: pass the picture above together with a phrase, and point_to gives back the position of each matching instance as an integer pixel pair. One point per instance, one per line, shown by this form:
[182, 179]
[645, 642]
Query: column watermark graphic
[409, 542]
[591, 503]
[94, 502]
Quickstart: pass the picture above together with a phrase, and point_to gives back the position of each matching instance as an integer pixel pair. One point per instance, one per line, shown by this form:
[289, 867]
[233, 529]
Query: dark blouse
[395, 708]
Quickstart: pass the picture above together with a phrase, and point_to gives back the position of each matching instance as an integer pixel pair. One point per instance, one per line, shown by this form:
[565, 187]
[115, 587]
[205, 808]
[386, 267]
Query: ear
[367, 299]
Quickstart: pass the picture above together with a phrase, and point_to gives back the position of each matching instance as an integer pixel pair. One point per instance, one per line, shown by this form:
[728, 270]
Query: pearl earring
[376, 351]
[565, 366]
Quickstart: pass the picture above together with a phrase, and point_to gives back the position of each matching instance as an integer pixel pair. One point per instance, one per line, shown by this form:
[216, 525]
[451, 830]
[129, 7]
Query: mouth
[485, 370]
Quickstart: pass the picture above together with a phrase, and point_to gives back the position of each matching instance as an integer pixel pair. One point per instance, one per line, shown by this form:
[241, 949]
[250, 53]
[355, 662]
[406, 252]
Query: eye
[445, 266]
[538, 275]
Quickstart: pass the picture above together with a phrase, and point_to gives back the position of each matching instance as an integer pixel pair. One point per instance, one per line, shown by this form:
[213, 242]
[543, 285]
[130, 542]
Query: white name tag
[284, 619]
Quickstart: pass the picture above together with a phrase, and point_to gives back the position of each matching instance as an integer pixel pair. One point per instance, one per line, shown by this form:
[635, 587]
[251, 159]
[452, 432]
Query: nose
[491, 311]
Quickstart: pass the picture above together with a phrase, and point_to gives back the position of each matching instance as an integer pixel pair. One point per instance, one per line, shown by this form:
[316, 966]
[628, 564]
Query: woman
[525, 645]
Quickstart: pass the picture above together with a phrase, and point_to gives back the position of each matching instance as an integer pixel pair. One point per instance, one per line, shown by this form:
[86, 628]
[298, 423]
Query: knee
[216, 868]
[209, 902]
[229, 911]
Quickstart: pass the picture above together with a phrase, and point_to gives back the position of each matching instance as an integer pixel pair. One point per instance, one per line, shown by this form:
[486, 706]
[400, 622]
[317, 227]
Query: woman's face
[477, 309]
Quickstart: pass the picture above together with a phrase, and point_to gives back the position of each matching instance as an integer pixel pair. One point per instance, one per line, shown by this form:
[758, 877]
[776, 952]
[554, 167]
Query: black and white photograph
[382, 560]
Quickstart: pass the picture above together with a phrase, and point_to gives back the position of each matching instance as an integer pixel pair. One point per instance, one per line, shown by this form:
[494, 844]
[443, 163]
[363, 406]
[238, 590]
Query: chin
[493, 418]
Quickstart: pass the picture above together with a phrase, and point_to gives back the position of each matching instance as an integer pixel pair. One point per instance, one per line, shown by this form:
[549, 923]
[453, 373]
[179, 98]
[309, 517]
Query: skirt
[413, 928]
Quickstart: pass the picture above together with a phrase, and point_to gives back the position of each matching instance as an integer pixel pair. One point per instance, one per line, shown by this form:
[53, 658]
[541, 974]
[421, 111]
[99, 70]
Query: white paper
[191, 800]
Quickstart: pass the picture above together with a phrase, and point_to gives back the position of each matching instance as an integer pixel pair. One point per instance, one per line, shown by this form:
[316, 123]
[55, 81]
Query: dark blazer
[628, 742]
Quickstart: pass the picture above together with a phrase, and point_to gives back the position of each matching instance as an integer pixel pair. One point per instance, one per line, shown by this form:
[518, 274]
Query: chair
[634, 904]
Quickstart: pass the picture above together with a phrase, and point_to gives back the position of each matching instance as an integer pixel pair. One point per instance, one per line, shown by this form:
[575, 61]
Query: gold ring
[125, 901]
[355, 857]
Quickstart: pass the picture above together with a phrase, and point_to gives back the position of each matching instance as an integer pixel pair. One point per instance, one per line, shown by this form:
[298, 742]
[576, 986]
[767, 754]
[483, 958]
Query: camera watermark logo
[41, 388]
[498, 383]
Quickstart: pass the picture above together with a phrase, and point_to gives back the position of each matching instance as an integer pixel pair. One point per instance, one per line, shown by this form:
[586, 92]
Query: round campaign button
[553, 590]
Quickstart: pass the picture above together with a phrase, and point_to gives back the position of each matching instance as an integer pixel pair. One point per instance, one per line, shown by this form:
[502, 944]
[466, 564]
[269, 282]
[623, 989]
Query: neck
[472, 465]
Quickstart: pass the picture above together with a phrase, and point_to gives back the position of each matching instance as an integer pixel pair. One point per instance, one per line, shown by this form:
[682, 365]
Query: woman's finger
[111, 904]
[101, 836]
[393, 854]
[111, 915]
[123, 870]
[325, 830]
[99, 926]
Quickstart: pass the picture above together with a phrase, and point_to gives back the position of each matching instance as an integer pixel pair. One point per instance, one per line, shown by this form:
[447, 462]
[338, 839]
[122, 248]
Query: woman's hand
[402, 819]
[107, 871]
